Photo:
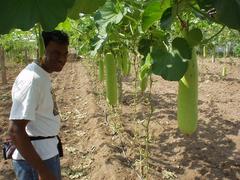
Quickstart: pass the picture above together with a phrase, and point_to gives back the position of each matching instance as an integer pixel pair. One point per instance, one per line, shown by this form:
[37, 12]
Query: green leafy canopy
[227, 12]
[110, 13]
[168, 65]
[84, 6]
[194, 37]
[153, 12]
[183, 47]
[25, 14]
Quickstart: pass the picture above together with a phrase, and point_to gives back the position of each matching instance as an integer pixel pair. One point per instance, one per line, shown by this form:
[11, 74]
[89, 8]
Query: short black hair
[55, 36]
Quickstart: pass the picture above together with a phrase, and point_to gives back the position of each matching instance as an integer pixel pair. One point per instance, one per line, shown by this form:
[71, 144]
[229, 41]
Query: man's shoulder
[28, 73]
[29, 76]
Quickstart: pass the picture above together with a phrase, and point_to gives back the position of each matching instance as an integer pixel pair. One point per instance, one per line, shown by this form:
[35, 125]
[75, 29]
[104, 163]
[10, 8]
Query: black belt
[33, 138]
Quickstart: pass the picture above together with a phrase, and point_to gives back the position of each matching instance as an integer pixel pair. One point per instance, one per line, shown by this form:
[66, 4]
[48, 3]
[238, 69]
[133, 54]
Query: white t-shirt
[33, 100]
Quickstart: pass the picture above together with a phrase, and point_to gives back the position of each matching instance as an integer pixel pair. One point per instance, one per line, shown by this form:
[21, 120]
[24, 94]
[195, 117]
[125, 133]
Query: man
[34, 113]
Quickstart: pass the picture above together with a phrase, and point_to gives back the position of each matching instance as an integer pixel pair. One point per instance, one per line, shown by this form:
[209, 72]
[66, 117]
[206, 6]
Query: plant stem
[209, 39]
[131, 19]
[135, 85]
[147, 138]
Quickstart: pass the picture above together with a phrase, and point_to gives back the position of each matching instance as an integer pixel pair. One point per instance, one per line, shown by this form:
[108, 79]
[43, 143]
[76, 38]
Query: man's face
[56, 56]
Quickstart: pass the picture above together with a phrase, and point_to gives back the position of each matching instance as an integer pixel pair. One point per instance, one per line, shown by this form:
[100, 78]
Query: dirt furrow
[83, 132]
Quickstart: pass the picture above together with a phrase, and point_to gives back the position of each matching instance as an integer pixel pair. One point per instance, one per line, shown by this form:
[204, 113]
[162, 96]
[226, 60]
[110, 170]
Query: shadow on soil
[209, 151]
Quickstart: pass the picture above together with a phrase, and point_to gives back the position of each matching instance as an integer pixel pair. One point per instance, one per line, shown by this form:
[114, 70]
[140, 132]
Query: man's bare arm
[22, 142]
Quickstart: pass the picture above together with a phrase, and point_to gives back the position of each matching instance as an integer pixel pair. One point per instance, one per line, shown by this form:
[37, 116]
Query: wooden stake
[2, 67]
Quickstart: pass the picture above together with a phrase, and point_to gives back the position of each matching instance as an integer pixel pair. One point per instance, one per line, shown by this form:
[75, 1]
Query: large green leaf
[144, 46]
[97, 43]
[158, 38]
[205, 4]
[84, 6]
[153, 12]
[25, 14]
[227, 11]
[168, 65]
[194, 37]
[65, 26]
[166, 19]
[183, 47]
[109, 14]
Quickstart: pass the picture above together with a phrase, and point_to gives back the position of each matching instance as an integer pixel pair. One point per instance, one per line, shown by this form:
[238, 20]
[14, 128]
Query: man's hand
[47, 175]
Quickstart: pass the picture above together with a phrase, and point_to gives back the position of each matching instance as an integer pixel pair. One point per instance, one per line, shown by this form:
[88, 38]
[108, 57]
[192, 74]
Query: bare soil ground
[100, 144]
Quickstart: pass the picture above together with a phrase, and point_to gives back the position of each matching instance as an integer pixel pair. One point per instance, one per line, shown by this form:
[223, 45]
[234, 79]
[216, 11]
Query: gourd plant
[170, 64]
[119, 31]
[177, 60]
[116, 36]
[147, 24]
[16, 43]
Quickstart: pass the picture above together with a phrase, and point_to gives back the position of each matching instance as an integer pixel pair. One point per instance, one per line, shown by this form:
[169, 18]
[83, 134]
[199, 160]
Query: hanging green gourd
[187, 113]
[126, 64]
[187, 102]
[101, 70]
[119, 62]
[111, 79]
[144, 73]
[40, 41]
[143, 82]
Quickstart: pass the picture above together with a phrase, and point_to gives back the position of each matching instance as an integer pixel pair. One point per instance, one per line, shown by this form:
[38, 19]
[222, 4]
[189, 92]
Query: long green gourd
[119, 60]
[40, 41]
[187, 103]
[143, 83]
[125, 62]
[111, 79]
[41, 46]
[101, 70]
[129, 67]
